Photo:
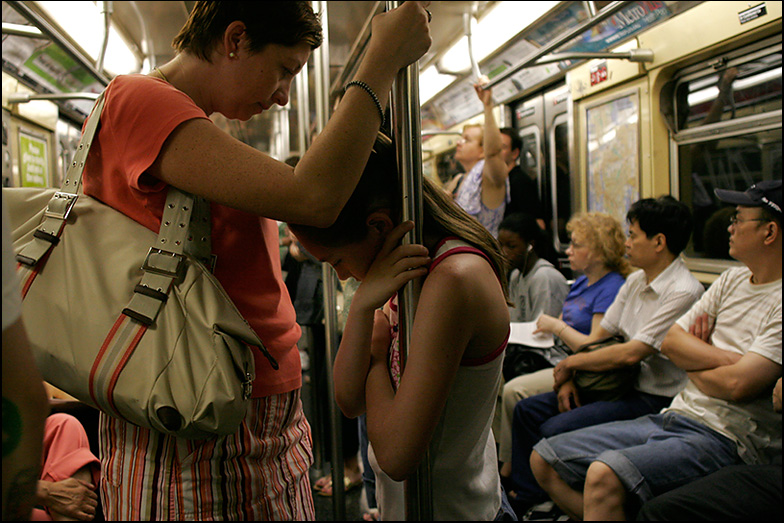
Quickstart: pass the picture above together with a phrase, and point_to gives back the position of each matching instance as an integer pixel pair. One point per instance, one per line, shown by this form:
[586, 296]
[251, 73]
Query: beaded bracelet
[367, 88]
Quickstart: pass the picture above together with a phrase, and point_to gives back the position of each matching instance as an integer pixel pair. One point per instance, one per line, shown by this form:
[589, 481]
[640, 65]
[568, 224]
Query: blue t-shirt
[583, 301]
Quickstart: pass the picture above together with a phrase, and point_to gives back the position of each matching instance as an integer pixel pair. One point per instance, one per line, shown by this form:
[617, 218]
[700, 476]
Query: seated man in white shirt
[646, 306]
[729, 343]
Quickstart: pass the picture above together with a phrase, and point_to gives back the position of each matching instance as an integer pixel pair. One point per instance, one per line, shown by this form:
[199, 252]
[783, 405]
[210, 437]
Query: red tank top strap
[487, 358]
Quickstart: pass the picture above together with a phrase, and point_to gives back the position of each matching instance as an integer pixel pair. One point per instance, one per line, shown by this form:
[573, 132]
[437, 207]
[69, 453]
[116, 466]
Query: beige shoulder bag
[127, 321]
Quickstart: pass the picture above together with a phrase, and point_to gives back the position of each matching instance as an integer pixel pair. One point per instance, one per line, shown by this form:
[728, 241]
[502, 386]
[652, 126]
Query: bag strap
[617, 338]
[48, 233]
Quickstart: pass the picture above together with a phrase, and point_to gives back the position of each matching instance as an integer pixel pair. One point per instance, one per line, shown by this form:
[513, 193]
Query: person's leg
[632, 406]
[515, 390]
[529, 414]
[737, 492]
[561, 463]
[570, 500]
[604, 496]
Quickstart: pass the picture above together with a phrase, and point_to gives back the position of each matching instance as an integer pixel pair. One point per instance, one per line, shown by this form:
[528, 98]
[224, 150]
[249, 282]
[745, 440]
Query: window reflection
[733, 163]
[743, 90]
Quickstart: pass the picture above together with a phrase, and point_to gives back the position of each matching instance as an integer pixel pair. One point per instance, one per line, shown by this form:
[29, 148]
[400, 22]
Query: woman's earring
[232, 55]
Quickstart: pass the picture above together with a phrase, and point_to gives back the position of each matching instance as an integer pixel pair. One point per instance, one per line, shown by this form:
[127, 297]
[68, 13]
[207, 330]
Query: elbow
[669, 342]
[396, 455]
[396, 468]
[741, 391]
[630, 360]
[321, 214]
[350, 409]
[349, 405]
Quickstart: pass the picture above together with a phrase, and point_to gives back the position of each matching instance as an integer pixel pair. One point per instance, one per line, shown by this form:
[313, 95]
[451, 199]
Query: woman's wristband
[368, 90]
[562, 329]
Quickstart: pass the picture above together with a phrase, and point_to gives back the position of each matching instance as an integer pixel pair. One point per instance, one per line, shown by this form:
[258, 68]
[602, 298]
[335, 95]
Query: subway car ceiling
[612, 100]
[60, 61]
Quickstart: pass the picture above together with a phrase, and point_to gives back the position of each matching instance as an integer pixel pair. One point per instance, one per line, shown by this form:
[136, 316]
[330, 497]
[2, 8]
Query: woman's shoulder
[612, 279]
[142, 92]
[125, 82]
[460, 265]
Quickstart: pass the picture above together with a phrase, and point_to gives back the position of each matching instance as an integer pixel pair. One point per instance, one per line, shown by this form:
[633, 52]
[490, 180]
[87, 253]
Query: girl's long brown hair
[379, 189]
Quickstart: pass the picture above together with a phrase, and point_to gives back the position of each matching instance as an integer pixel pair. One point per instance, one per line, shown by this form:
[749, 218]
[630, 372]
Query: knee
[602, 482]
[542, 470]
[64, 427]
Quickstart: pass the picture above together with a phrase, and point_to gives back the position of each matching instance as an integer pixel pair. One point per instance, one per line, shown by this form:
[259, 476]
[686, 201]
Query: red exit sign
[598, 73]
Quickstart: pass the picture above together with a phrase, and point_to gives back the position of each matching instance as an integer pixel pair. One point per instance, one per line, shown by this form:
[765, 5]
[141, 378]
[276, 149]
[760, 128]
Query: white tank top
[466, 484]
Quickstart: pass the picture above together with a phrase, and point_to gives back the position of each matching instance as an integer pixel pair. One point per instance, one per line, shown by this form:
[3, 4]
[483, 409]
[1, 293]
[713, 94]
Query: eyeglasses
[735, 220]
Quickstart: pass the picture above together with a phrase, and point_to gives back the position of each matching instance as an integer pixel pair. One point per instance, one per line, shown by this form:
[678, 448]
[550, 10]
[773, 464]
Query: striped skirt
[259, 473]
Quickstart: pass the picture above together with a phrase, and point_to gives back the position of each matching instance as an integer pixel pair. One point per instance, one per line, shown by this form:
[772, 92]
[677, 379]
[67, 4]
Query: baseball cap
[765, 194]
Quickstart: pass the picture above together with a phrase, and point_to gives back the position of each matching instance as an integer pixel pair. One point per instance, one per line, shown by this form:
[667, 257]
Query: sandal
[347, 483]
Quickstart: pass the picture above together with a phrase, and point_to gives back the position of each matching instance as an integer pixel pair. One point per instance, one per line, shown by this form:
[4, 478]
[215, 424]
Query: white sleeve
[12, 298]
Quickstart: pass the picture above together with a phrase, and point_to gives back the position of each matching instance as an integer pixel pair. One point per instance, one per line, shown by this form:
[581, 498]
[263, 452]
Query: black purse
[521, 359]
[608, 385]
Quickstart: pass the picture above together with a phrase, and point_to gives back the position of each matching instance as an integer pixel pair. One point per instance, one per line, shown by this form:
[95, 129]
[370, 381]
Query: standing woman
[237, 59]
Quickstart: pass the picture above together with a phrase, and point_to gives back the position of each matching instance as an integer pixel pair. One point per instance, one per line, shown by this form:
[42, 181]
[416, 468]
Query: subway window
[728, 136]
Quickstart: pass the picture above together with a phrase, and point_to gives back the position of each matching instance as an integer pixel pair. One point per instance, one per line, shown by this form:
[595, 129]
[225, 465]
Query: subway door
[558, 183]
[529, 122]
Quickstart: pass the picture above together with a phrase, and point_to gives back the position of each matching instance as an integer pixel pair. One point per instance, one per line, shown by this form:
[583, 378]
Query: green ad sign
[34, 164]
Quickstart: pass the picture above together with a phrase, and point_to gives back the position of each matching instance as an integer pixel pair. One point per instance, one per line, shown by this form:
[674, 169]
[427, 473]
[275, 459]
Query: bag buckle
[247, 386]
[60, 205]
[165, 263]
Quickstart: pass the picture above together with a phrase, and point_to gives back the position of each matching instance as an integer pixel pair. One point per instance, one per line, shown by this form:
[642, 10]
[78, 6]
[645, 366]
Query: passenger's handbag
[128, 321]
[609, 385]
[521, 359]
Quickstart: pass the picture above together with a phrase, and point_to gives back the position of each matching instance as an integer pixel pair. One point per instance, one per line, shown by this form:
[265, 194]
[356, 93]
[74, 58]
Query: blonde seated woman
[597, 251]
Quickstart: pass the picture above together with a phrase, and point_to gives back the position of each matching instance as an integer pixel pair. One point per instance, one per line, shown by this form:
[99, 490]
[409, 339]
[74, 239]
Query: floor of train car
[323, 504]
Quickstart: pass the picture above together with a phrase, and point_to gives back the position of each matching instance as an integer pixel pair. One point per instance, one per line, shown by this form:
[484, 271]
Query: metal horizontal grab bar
[21, 98]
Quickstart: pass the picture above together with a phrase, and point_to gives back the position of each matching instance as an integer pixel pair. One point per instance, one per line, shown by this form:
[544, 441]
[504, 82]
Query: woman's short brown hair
[285, 23]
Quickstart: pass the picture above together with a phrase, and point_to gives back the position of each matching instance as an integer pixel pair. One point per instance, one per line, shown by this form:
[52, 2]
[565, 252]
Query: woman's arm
[573, 338]
[366, 326]
[365, 332]
[199, 158]
[453, 311]
[495, 172]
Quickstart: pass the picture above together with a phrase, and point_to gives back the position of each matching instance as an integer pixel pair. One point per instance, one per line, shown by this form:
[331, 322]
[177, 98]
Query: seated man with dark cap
[729, 343]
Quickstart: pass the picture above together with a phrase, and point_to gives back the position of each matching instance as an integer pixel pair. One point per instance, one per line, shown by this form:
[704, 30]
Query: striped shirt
[645, 312]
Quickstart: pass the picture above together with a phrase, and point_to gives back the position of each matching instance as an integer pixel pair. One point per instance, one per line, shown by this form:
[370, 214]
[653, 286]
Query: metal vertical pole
[303, 110]
[406, 128]
[322, 81]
